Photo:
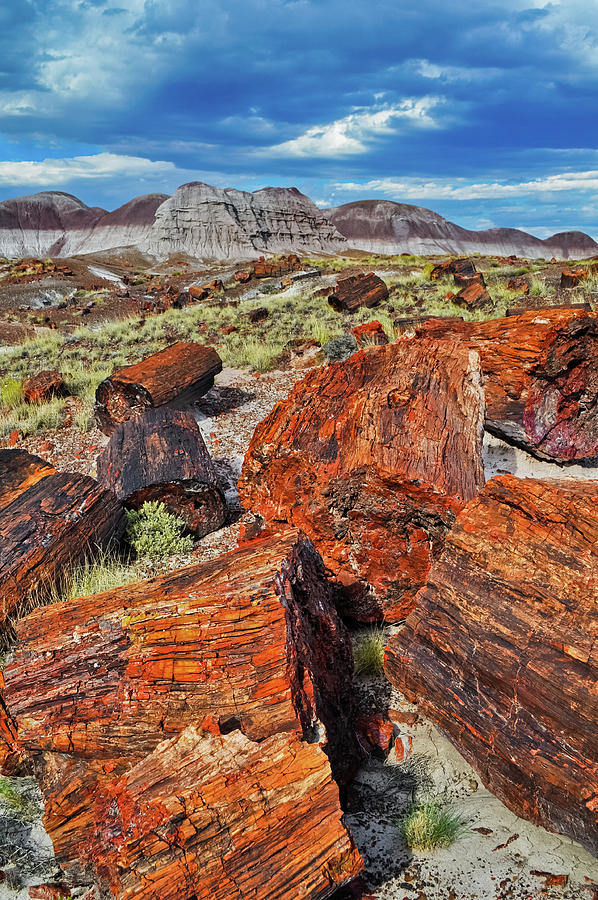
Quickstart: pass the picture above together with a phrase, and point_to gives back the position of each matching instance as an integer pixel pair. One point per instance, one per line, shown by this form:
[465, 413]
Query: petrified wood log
[570, 278]
[205, 816]
[372, 457]
[281, 265]
[19, 471]
[161, 456]
[540, 377]
[358, 290]
[43, 386]
[175, 376]
[252, 637]
[50, 527]
[473, 295]
[11, 752]
[463, 280]
[370, 333]
[453, 267]
[501, 650]
[247, 649]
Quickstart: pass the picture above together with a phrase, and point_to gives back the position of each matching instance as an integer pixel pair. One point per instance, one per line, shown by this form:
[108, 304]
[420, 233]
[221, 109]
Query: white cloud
[461, 190]
[352, 134]
[54, 172]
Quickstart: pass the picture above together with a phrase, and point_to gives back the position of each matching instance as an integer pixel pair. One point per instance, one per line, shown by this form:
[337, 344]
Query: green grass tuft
[430, 825]
[11, 394]
[368, 653]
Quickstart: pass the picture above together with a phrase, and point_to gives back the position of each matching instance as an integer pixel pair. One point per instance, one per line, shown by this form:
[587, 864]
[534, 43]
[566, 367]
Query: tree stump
[501, 650]
[373, 457]
[50, 527]
[175, 376]
[161, 455]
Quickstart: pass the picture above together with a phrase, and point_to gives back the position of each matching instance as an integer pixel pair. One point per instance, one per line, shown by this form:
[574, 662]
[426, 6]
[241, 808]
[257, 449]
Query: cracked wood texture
[176, 376]
[205, 816]
[373, 457]
[161, 455]
[20, 470]
[541, 378]
[501, 650]
[53, 525]
[358, 290]
[249, 647]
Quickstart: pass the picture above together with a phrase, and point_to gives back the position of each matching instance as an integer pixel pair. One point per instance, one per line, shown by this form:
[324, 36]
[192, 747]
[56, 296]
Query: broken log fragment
[20, 470]
[161, 455]
[50, 527]
[540, 378]
[373, 457]
[453, 267]
[176, 376]
[571, 278]
[501, 650]
[358, 290]
[43, 386]
[191, 712]
[473, 295]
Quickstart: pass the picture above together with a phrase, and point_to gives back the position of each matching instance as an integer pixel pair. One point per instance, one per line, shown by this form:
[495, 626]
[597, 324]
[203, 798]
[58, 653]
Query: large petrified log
[501, 650]
[373, 457]
[453, 267]
[175, 376]
[51, 526]
[358, 290]
[177, 727]
[540, 377]
[20, 470]
[161, 455]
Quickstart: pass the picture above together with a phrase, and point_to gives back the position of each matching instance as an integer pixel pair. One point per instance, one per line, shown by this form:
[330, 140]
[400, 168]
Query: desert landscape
[298, 562]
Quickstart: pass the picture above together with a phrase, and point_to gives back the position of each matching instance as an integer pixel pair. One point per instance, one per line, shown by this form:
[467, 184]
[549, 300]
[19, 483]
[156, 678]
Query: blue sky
[484, 112]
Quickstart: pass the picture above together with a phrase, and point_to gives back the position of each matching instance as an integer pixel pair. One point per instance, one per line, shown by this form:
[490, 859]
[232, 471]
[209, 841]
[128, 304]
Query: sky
[482, 111]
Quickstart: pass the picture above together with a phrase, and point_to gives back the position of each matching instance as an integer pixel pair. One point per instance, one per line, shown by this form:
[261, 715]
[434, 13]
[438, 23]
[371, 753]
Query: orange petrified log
[179, 726]
[19, 471]
[175, 376]
[501, 650]
[540, 377]
[373, 457]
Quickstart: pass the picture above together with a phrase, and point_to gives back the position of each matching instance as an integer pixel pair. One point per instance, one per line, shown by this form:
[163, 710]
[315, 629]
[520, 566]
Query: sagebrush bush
[155, 533]
[430, 825]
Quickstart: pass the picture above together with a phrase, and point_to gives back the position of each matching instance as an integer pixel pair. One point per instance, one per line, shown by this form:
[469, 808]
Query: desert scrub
[368, 653]
[33, 418]
[14, 801]
[102, 572]
[430, 825]
[156, 534]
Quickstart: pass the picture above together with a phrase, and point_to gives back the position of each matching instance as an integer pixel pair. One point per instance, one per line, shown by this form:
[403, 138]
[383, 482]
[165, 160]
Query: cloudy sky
[484, 112]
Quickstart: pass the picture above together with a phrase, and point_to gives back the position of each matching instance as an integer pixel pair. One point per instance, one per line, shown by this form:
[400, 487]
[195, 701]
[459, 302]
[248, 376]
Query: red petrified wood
[570, 278]
[178, 726]
[161, 456]
[175, 376]
[453, 267]
[502, 648]
[358, 290]
[19, 471]
[370, 333]
[373, 457]
[50, 527]
[43, 386]
[540, 378]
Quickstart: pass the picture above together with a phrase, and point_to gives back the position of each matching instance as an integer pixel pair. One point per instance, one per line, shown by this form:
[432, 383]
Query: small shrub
[368, 653]
[430, 825]
[155, 533]
[18, 804]
[340, 348]
[10, 393]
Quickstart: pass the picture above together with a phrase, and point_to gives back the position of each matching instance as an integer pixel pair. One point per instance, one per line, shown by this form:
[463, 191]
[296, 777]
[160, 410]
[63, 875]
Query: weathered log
[249, 650]
[473, 295]
[252, 636]
[205, 816]
[571, 278]
[19, 471]
[373, 457]
[453, 267]
[465, 280]
[12, 756]
[161, 456]
[53, 525]
[358, 290]
[521, 285]
[175, 376]
[501, 650]
[276, 266]
[370, 333]
[540, 376]
[43, 386]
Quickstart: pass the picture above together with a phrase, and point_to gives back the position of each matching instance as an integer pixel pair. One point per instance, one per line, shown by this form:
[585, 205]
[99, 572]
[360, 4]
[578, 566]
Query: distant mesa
[211, 223]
